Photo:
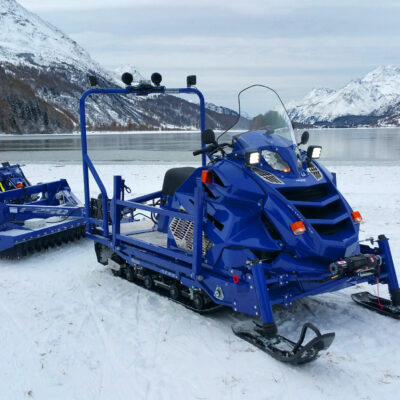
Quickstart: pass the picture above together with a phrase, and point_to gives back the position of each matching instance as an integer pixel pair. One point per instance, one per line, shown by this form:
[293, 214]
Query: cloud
[292, 45]
[252, 7]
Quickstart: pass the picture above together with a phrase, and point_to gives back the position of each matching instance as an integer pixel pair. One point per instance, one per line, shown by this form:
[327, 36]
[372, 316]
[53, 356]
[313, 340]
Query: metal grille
[182, 231]
[271, 178]
[315, 172]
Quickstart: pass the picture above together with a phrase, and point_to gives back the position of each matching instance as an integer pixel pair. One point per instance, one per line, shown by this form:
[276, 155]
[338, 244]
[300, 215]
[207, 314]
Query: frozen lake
[339, 145]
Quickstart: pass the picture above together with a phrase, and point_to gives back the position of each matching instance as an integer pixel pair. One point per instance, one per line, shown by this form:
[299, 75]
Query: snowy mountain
[43, 74]
[371, 100]
[220, 109]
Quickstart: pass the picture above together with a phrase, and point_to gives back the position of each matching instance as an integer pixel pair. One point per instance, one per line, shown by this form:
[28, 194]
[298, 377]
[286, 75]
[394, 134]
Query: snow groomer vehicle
[36, 217]
[260, 222]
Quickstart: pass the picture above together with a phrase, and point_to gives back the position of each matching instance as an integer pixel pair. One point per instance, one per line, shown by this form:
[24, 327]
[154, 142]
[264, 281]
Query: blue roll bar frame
[87, 162]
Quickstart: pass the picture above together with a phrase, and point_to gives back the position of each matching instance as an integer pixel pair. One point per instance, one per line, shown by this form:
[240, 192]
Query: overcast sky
[291, 45]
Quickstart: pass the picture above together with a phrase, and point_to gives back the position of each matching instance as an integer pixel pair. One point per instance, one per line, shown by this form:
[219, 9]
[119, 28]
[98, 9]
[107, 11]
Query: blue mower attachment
[36, 217]
[260, 223]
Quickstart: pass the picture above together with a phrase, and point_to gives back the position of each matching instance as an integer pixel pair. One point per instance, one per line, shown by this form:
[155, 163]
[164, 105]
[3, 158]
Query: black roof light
[93, 81]
[127, 78]
[191, 80]
[156, 78]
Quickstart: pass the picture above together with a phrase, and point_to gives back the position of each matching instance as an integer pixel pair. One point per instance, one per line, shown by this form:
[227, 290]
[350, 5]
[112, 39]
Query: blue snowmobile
[261, 222]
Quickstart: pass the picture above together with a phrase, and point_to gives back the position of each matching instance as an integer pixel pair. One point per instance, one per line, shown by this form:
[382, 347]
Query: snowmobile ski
[281, 348]
[374, 303]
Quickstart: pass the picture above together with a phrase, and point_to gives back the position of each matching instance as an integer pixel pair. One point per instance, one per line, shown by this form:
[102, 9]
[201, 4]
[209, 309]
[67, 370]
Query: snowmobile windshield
[261, 108]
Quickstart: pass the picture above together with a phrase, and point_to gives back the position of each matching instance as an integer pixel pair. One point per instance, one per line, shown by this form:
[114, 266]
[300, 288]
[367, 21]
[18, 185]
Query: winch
[361, 265]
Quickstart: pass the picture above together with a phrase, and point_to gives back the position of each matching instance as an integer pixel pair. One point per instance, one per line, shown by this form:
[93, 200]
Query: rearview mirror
[304, 138]
[208, 136]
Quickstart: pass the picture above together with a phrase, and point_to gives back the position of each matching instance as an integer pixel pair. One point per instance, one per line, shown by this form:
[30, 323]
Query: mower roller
[36, 217]
[260, 223]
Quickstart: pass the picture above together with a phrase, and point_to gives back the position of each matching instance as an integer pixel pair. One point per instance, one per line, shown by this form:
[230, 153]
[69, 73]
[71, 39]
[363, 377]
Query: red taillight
[19, 185]
[298, 228]
[357, 218]
[206, 176]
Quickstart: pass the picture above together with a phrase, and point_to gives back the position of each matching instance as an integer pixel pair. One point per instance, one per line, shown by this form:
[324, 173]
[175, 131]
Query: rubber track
[32, 246]
[209, 308]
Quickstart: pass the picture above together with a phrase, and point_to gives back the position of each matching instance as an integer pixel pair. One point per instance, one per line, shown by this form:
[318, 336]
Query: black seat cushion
[174, 178]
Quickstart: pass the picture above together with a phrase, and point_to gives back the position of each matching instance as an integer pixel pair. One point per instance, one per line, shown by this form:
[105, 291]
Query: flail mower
[260, 223]
[36, 217]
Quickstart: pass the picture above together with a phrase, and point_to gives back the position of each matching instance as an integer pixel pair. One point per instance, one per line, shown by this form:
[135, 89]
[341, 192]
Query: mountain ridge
[43, 73]
[373, 99]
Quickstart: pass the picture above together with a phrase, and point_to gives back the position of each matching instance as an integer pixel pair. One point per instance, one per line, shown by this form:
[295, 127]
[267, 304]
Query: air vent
[182, 231]
[267, 176]
[307, 193]
[327, 230]
[315, 172]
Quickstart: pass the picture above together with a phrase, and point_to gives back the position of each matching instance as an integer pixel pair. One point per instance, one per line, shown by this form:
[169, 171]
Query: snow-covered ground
[70, 330]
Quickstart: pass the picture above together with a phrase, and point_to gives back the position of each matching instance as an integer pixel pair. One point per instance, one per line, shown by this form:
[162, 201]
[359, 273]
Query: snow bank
[70, 330]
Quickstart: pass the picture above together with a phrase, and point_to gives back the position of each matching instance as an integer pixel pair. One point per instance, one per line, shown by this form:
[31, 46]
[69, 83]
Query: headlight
[275, 161]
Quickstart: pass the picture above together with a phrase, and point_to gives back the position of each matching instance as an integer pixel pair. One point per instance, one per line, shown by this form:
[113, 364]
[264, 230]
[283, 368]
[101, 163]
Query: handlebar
[206, 149]
[212, 148]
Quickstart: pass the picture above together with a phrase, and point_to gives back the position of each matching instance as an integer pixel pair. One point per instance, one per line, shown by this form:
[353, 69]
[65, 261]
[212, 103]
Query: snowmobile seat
[174, 178]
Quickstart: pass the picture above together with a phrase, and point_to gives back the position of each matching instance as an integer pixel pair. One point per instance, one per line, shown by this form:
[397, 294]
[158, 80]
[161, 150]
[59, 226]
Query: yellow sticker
[1, 187]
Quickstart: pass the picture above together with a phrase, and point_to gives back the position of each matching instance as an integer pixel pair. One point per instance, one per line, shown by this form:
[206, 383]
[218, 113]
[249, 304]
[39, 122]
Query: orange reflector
[19, 185]
[206, 176]
[298, 227]
[286, 170]
[357, 218]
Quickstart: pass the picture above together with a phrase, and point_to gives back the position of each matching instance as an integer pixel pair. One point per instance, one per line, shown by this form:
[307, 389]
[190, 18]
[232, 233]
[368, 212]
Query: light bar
[252, 157]
[314, 152]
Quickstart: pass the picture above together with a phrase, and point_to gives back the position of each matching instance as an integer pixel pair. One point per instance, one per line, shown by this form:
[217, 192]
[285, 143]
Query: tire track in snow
[10, 316]
[25, 345]
[111, 359]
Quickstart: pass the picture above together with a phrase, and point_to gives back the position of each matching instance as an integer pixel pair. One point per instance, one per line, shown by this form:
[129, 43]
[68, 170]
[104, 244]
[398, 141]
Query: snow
[374, 94]
[40, 55]
[70, 330]
[220, 109]
[25, 37]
